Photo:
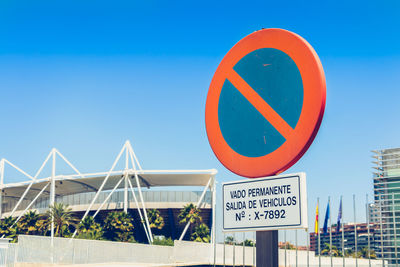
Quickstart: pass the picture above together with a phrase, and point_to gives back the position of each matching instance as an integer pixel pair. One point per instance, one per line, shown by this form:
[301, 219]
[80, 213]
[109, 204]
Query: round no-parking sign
[265, 103]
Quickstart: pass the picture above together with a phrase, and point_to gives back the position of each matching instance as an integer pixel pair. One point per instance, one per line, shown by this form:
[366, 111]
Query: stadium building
[130, 189]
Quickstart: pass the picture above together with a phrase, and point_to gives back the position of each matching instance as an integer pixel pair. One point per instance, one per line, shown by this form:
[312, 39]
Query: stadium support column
[133, 159]
[52, 191]
[126, 193]
[126, 181]
[1, 186]
[146, 219]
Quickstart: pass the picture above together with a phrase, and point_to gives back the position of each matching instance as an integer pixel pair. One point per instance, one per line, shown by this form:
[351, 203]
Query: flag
[325, 229]
[339, 217]
[316, 220]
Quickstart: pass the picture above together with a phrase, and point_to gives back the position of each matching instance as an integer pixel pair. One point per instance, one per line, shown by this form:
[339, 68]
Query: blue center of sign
[274, 76]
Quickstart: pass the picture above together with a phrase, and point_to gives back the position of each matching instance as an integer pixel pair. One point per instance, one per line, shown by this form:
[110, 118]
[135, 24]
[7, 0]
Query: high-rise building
[373, 213]
[386, 178]
[349, 241]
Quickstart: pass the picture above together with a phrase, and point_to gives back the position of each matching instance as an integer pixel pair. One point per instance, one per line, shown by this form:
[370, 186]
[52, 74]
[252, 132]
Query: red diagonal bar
[258, 102]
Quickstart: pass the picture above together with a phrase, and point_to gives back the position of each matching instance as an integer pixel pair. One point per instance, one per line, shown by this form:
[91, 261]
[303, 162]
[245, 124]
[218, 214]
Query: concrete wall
[38, 250]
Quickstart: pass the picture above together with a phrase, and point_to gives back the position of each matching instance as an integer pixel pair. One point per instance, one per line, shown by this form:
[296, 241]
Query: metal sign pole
[319, 238]
[285, 247]
[368, 232]
[342, 225]
[355, 230]
[267, 248]
[381, 228]
[234, 250]
[330, 233]
[394, 230]
[224, 250]
[254, 249]
[297, 260]
[244, 249]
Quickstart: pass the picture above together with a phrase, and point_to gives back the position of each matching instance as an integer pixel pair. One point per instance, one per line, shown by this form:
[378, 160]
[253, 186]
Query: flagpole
[394, 230]
[234, 249]
[355, 229]
[254, 249]
[224, 249]
[296, 247]
[244, 249]
[341, 222]
[308, 248]
[330, 231]
[368, 238]
[285, 245]
[380, 222]
[319, 238]
[308, 242]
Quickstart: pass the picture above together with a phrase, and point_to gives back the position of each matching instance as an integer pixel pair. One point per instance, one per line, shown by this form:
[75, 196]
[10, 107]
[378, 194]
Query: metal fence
[41, 250]
[347, 235]
[306, 250]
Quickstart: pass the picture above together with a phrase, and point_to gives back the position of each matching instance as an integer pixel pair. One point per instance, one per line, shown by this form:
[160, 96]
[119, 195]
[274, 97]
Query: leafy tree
[201, 234]
[190, 213]
[63, 219]
[90, 229]
[27, 224]
[364, 253]
[6, 230]
[162, 241]
[155, 219]
[118, 226]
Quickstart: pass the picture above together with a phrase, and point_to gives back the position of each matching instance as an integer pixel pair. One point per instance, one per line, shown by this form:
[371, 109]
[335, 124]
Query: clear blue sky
[84, 76]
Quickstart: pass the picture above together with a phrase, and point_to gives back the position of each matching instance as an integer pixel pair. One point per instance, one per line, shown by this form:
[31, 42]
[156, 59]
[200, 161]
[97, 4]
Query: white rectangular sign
[270, 203]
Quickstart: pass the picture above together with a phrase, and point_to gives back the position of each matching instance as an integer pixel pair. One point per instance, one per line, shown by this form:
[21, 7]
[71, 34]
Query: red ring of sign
[310, 119]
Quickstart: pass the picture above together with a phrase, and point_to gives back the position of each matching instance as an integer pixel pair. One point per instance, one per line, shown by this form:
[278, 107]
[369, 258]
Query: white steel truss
[130, 178]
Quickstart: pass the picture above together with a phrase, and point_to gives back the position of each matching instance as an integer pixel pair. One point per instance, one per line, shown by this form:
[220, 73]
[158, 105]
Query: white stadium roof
[131, 177]
[74, 184]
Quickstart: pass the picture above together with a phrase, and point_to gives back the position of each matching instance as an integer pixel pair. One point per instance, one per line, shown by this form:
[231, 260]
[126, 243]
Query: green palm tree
[7, 229]
[229, 240]
[90, 229]
[118, 226]
[201, 234]
[155, 219]
[327, 250]
[249, 243]
[349, 252]
[43, 225]
[63, 219]
[364, 253]
[190, 213]
[27, 224]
